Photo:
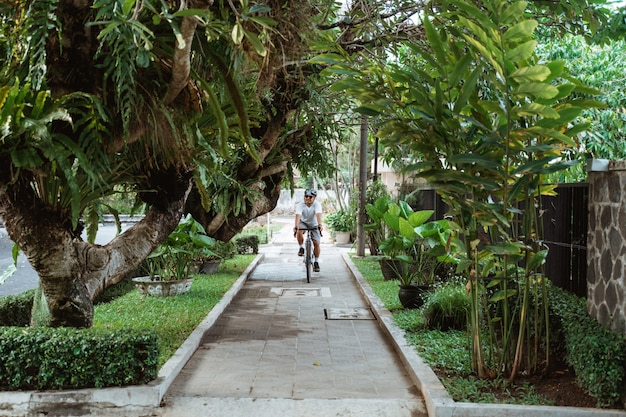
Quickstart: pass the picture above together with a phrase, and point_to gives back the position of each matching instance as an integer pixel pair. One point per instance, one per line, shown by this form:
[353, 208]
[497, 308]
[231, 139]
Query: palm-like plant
[486, 122]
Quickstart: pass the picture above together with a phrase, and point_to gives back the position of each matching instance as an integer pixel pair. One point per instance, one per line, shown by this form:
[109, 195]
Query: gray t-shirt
[307, 214]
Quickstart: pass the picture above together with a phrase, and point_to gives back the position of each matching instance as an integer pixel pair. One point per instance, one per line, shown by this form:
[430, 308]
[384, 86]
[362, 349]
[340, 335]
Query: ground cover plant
[448, 354]
[173, 318]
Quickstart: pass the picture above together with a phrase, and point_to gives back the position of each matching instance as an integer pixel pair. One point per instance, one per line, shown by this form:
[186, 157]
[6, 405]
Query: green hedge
[247, 244]
[597, 354]
[64, 358]
[15, 309]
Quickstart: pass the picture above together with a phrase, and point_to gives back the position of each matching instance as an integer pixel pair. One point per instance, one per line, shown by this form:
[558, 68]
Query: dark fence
[565, 218]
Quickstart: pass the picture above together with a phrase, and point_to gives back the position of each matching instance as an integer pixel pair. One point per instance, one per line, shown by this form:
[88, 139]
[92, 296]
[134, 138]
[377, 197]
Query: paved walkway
[285, 347]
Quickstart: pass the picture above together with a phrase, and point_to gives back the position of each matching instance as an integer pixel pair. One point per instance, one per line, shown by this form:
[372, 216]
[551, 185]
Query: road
[25, 278]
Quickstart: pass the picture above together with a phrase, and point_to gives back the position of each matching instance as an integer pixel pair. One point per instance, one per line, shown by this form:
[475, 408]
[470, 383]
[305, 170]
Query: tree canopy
[198, 106]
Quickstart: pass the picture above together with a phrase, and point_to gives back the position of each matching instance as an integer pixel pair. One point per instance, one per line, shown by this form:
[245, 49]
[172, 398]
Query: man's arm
[295, 227]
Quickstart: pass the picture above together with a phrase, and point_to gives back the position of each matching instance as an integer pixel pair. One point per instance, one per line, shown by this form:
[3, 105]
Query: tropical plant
[418, 244]
[175, 103]
[341, 220]
[486, 122]
[374, 228]
[174, 258]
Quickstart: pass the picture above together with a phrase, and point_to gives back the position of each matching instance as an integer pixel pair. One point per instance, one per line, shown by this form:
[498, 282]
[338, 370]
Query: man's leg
[300, 238]
[316, 254]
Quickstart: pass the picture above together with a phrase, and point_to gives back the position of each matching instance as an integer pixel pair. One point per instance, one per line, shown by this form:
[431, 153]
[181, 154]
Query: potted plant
[416, 246]
[171, 265]
[399, 246]
[168, 268]
[341, 223]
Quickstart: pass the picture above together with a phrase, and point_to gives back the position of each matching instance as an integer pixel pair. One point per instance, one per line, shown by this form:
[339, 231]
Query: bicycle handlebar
[308, 229]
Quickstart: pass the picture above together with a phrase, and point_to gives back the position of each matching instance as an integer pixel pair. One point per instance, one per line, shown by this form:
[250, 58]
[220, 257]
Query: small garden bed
[447, 353]
[147, 330]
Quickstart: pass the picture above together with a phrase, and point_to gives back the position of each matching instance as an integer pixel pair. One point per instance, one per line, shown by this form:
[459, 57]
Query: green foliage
[599, 67]
[418, 244]
[341, 220]
[374, 227]
[15, 309]
[81, 359]
[446, 307]
[596, 353]
[188, 242]
[133, 336]
[485, 121]
[247, 244]
[476, 390]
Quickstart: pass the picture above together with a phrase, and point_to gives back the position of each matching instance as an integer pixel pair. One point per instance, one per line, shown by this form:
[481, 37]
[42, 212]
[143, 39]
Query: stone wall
[606, 243]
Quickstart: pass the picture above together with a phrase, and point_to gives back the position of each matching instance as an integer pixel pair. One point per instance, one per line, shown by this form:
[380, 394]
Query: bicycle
[308, 251]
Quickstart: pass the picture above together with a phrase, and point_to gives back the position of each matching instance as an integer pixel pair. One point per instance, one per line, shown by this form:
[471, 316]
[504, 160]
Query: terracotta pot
[160, 288]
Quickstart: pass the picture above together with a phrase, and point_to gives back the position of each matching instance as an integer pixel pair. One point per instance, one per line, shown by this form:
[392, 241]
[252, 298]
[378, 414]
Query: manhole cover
[301, 292]
[359, 313]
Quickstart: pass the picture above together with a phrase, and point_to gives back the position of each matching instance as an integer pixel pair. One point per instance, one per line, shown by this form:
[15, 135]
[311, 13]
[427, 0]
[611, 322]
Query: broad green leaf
[565, 116]
[260, 8]
[542, 90]
[537, 259]
[435, 41]
[392, 221]
[535, 109]
[25, 158]
[127, 6]
[521, 52]
[534, 166]
[237, 33]
[480, 47]
[534, 73]
[502, 295]
[191, 12]
[551, 133]
[472, 158]
[523, 29]
[406, 229]
[504, 248]
[468, 88]
[514, 11]
[418, 218]
[329, 59]
[257, 45]
[405, 209]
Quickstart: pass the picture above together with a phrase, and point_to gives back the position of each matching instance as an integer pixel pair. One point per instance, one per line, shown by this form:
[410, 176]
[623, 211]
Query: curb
[128, 398]
[438, 402]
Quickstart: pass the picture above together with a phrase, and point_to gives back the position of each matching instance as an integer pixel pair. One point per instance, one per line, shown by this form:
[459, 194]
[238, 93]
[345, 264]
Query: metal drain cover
[359, 313]
[301, 292]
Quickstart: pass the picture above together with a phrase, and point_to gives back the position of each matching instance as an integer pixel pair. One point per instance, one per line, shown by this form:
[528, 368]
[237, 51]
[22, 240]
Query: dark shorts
[315, 234]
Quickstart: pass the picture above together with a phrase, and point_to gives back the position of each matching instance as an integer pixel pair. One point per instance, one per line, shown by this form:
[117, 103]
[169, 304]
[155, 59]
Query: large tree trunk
[73, 272]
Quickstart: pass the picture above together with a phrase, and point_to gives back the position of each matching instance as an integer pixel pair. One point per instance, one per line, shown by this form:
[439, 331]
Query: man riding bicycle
[309, 215]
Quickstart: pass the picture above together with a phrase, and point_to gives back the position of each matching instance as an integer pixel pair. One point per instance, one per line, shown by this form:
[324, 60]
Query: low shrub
[447, 307]
[247, 244]
[81, 359]
[15, 310]
[596, 354]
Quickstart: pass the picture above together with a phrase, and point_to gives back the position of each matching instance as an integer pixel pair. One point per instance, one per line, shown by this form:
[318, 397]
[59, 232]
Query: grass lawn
[174, 318]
